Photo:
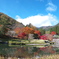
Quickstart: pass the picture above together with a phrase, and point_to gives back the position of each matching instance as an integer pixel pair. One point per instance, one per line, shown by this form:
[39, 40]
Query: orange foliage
[18, 30]
[22, 31]
[28, 30]
[0, 25]
[53, 33]
[37, 32]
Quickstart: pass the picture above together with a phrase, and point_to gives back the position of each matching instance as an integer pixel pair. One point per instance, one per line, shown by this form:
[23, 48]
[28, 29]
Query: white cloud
[51, 7]
[39, 20]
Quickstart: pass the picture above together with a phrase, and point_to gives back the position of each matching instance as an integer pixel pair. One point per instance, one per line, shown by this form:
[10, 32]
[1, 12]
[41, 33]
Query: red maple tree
[53, 33]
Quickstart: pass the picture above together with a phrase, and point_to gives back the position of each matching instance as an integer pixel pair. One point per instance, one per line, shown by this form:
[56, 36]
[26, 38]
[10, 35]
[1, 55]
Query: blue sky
[37, 12]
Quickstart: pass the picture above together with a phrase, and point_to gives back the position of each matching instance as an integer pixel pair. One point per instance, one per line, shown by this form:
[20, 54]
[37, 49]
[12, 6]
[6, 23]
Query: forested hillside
[50, 28]
[55, 28]
[9, 22]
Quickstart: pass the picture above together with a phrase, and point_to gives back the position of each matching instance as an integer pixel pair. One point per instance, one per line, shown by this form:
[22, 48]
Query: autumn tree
[53, 32]
[22, 35]
[28, 30]
[18, 30]
[36, 34]
[23, 32]
[47, 37]
[31, 26]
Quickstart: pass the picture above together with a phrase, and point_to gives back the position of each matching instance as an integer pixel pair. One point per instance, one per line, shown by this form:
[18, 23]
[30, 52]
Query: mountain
[9, 22]
[46, 27]
[31, 26]
[57, 24]
[12, 23]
